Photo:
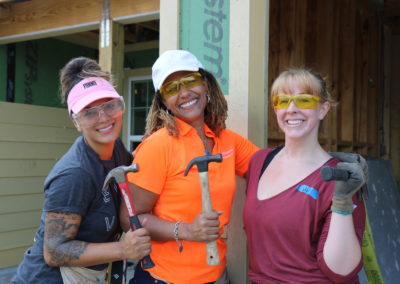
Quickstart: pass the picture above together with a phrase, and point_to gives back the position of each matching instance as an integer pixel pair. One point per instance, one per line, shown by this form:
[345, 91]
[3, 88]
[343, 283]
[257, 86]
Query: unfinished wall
[341, 40]
[37, 16]
[32, 139]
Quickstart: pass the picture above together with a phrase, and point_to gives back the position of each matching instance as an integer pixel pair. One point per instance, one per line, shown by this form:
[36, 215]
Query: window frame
[133, 138]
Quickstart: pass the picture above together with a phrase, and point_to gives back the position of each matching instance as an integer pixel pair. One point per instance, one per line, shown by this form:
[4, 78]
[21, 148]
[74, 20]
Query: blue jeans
[143, 277]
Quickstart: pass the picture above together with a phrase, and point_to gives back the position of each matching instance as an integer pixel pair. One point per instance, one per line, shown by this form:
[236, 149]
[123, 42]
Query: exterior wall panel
[33, 138]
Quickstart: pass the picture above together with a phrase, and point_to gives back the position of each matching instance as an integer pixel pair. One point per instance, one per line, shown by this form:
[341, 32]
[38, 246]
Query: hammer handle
[212, 251]
[133, 219]
[135, 224]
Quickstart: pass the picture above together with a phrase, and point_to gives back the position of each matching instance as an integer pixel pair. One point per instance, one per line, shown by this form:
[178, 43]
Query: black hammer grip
[328, 173]
[135, 224]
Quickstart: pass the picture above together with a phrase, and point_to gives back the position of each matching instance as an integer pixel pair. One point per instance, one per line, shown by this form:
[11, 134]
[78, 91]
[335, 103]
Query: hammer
[118, 174]
[202, 166]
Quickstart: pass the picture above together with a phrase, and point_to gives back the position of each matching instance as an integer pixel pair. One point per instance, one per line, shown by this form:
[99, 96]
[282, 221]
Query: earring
[208, 97]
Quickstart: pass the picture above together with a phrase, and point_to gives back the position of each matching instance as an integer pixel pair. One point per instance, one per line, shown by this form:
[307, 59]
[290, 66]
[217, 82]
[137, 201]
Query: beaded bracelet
[179, 242]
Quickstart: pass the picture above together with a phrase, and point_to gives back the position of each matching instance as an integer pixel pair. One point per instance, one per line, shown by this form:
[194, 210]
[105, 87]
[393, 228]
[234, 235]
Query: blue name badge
[308, 190]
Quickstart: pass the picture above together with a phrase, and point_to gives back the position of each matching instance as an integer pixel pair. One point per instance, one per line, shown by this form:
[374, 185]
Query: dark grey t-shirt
[75, 185]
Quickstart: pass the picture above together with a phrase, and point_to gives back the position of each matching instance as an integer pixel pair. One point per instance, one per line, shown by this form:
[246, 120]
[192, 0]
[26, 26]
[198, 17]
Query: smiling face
[104, 132]
[300, 122]
[189, 103]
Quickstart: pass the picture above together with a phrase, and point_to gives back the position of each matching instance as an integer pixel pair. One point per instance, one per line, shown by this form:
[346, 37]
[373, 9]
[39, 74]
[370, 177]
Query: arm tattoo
[59, 238]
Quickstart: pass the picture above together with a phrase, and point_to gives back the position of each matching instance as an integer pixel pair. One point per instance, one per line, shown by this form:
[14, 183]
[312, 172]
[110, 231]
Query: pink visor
[89, 90]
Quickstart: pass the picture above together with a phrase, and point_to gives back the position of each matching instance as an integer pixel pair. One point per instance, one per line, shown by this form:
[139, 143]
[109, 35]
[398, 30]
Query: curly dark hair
[215, 113]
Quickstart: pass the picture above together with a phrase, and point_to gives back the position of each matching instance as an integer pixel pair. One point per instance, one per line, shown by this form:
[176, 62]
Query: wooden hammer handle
[212, 250]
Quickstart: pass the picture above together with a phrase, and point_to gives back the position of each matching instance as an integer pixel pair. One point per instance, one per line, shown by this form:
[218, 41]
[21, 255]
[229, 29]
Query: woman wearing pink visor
[79, 231]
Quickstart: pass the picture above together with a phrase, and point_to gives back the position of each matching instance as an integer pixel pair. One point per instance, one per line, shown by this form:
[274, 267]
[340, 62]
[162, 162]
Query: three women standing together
[299, 227]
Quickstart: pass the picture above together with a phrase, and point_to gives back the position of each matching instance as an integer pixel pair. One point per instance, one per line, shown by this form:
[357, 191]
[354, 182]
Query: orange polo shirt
[162, 161]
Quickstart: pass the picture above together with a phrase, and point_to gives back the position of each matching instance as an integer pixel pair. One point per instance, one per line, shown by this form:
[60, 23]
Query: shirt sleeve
[152, 161]
[359, 226]
[244, 150]
[71, 191]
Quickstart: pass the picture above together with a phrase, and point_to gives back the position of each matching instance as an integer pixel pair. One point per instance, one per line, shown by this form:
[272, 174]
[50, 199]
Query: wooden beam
[346, 71]
[111, 54]
[4, 11]
[142, 46]
[40, 15]
[395, 107]
[387, 68]
[87, 39]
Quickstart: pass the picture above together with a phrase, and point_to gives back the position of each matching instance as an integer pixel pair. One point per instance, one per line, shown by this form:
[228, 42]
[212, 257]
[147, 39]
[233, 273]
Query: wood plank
[23, 150]
[319, 56]
[313, 26]
[360, 75]
[347, 67]
[300, 21]
[287, 24]
[34, 115]
[19, 221]
[273, 63]
[38, 15]
[23, 168]
[111, 53]
[334, 71]
[21, 185]
[12, 257]
[387, 106]
[37, 134]
[21, 238]
[375, 82]
[395, 111]
[20, 203]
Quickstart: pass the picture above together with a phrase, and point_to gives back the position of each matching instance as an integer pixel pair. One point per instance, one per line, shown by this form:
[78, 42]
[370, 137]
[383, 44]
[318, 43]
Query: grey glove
[357, 167]
[352, 158]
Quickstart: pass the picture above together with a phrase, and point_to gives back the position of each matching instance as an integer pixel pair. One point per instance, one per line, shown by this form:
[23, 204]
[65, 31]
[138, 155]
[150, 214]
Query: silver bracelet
[179, 242]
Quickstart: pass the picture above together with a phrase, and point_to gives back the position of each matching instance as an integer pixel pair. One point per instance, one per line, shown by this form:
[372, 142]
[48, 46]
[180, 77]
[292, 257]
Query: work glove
[352, 158]
[357, 168]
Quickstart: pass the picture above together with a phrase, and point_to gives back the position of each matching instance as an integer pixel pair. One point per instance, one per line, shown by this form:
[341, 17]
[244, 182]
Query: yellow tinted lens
[281, 101]
[302, 101]
[169, 89]
[306, 101]
[189, 81]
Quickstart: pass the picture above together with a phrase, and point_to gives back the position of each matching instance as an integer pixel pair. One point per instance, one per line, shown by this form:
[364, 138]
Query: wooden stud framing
[37, 15]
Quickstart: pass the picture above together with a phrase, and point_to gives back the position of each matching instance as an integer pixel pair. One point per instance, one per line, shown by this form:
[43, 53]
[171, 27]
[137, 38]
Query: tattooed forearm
[59, 238]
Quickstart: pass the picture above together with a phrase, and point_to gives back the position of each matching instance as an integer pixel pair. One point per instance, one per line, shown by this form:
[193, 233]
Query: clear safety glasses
[90, 116]
[188, 81]
[302, 101]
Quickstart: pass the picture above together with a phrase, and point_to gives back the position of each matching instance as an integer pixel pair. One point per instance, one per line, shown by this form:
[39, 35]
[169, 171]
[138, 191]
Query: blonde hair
[310, 81]
[215, 113]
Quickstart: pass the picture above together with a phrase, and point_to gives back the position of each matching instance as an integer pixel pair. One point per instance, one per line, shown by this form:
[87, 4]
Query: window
[141, 93]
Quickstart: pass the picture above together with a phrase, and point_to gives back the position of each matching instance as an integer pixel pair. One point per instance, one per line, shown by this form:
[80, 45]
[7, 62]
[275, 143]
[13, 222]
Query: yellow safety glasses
[303, 101]
[188, 81]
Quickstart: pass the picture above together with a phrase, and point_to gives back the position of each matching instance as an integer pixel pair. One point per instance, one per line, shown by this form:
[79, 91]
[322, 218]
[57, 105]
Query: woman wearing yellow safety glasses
[300, 228]
[186, 120]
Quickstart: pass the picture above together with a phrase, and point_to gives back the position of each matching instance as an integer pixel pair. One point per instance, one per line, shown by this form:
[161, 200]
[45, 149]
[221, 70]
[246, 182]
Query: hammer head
[202, 162]
[119, 174]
